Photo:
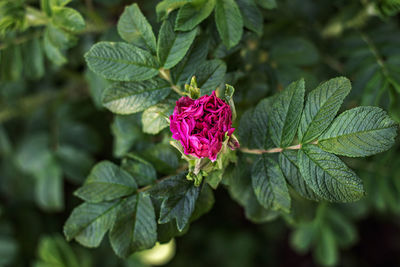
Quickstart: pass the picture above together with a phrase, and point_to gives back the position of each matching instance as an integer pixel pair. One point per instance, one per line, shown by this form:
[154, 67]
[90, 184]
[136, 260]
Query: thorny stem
[167, 76]
[272, 150]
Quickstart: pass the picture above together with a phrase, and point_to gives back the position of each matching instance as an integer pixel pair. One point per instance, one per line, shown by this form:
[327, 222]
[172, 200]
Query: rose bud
[201, 125]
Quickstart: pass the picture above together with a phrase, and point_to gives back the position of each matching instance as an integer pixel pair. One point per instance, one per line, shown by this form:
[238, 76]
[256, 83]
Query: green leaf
[204, 202]
[326, 252]
[106, 182]
[52, 52]
[209, 75]
[328, 176]
[172, 46]
[126, 130]
[132, 97]
[179, 198]
[229, 22]
[163, 157]
[164, 7]
[55, 251]
[268, 4]
[143, 172]
[240, 188]
[321, 107]
[289, 166]
[34, 59]
[196, 55]
[193, 13]
[135, 227]
[89, 222]
[253, 130]
[269, 184]
[76, 163]
[285, 113]
[121, 62]
[359, 132]
[252, 16]
[134, 28]
[49, 191]
[68, 18]
[156, 118]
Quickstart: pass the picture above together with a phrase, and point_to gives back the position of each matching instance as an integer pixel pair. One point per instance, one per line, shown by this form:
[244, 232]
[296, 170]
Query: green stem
[272, 150]
[165, 74]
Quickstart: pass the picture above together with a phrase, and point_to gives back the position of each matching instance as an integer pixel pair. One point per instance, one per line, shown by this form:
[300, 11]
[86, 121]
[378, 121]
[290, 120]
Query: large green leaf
[106, 181]
[172, 46]
[134, 28]
[135, 227]
[252, 16]
[121, 62]
[240, 188]
[253, 130]
[68, 18]
[229, 22]
[269, 184]
[192, 13]
[139, 168]
[196, 55]
[328, 176]
[289, 165]
[179, 198]
[132, 97]
[156, 118]
[165, 7]
[89, 222]
[359, 132]
[321, 107]
[210, 75]
[285, 113]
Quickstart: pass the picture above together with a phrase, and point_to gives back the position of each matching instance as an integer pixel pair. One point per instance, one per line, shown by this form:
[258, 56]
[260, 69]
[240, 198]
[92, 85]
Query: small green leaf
[269, 184]
[229, 22]
[209, 75]
[164, 7]
[172, 46]
[49, 191]
[156, 118]
[134, 28]
[328, 176]
[106, 182]
[193, 13]
[132, 97]
[321, 107]
[135, 227]
[359, 132]
[143, 172]
[326, 252]
[52, 52]
[68, 18]
[121, 62]
[252, 16]
[34, 59]
[89, 222]
[289, 165]
[285, 113]
[179, 198]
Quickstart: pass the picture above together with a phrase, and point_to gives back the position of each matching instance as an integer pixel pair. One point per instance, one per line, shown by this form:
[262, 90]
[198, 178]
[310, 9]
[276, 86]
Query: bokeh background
[53, 130]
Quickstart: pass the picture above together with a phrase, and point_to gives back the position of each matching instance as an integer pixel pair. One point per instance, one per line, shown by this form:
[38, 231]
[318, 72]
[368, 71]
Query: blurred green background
[53, 130]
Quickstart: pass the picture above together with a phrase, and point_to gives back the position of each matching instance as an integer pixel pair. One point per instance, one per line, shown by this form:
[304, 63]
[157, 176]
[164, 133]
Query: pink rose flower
[201, 124]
